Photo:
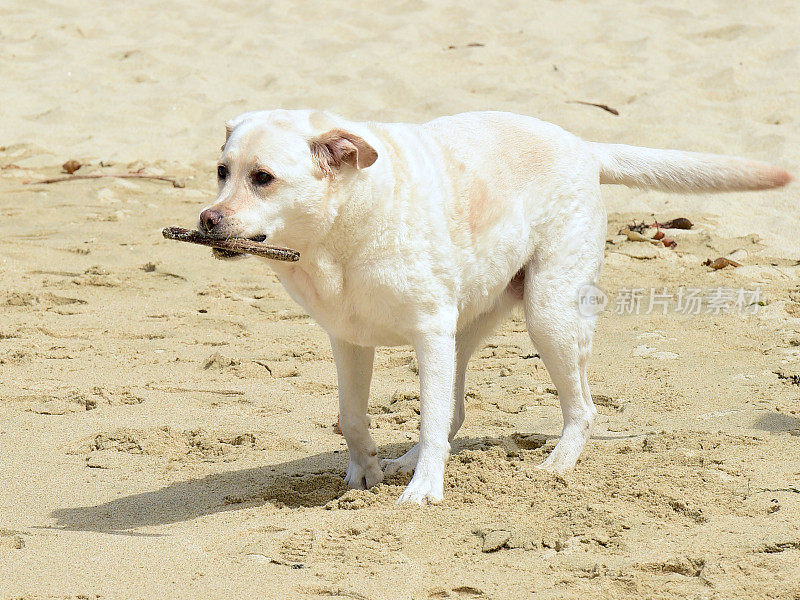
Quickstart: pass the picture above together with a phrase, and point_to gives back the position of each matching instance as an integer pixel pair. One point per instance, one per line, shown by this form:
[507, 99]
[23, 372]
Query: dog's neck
[355, 215]
[342, 233]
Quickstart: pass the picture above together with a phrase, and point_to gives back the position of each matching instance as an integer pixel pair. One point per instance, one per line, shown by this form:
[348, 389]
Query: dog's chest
[345, 309]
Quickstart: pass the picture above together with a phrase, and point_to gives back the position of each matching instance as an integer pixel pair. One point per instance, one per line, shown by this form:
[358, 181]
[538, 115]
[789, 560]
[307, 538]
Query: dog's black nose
[209, 219]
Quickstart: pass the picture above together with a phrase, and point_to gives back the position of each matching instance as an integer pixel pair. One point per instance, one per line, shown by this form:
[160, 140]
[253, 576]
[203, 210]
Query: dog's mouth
[221, 254]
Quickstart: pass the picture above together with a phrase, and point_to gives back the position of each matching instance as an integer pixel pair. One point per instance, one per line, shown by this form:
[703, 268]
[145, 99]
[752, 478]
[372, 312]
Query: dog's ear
[337, 147]
[228, 132]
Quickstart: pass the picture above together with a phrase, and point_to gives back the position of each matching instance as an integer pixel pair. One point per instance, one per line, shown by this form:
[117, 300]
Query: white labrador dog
[428, 235]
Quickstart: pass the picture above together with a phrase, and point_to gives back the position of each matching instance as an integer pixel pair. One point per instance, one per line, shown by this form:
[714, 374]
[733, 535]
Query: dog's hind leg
[563, 337]
[468, 339]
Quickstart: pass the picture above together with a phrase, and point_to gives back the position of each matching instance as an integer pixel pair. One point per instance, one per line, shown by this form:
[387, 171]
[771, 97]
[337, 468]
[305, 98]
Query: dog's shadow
[312, 481]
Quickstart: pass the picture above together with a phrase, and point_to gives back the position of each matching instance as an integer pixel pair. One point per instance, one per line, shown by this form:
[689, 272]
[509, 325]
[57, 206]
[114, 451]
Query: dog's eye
[262, 178]
[222, 171]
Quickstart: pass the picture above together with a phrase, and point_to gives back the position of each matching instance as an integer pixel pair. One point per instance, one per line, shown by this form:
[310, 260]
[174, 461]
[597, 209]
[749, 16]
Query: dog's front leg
[436, 359]
[354, 371]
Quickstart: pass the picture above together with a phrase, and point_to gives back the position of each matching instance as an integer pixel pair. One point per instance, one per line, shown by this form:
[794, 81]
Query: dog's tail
[677, 171]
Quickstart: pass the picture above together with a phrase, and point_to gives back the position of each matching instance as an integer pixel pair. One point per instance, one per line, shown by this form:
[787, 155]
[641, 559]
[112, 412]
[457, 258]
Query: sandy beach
[167, 421]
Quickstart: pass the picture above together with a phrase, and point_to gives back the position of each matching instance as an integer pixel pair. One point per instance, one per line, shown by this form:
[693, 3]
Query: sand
[167, 420]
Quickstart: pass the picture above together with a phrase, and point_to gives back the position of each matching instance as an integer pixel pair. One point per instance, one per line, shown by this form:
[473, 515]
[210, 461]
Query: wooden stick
[175, 183]
[235, 245]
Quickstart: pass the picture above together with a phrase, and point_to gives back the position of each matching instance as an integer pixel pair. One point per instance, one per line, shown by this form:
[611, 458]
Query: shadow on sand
[306, 482]
[311, 481]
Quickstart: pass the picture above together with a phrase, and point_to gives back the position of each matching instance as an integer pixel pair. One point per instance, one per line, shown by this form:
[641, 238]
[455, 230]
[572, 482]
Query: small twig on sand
[175, 182]
[721, 263]
[605, 107]
[171, 389]
[792, 490]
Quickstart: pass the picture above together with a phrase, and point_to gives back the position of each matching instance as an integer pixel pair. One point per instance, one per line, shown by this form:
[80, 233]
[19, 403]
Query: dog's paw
[423, 490]
[363, 477]
[561, 460]
[564, 456]
[404, 464]
[555, 466]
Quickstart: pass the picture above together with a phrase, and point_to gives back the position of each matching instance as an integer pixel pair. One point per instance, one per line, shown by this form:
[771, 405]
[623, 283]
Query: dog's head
[281, 176]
